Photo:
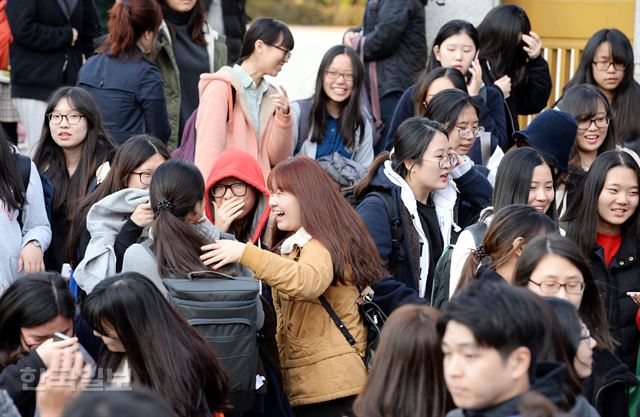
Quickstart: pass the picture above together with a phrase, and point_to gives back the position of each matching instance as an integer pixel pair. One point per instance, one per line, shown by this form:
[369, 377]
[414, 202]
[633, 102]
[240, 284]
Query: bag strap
[304, 123]
[374, 98]
[343, 329]
[24, 166]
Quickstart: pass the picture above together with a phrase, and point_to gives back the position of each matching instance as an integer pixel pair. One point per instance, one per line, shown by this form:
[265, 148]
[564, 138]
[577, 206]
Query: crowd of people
[181, 240]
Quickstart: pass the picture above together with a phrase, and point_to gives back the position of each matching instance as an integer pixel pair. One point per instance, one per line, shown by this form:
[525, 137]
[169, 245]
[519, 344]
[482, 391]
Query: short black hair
[500, 316]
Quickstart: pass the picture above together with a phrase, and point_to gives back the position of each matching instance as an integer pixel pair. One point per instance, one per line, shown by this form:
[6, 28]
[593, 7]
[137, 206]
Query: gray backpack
[224, 310]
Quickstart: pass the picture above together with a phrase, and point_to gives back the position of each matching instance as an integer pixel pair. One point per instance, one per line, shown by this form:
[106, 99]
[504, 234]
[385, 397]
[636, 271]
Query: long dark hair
[164, 352]
[12, 192]
[582, 214]
[195, 23]
[133, 153]
[268, 31]
[508, 224]
[449, 29]
[176, 244]
[627, 95]
[424, 82]
[30, 301]
[581, 101]
[446, 106]
[328, 217]
[591, 308]
[514, 177]
[128, 21]
[97, 147]
[350, 113]
[499, 46]
[410, 142]
[407, 378]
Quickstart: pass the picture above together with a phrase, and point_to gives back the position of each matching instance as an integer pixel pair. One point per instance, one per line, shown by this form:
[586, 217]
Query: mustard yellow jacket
[318, 363]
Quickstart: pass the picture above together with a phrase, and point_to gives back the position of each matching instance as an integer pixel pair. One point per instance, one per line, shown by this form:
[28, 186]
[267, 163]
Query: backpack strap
[478, 231]
[485, 148]
[24, 166]
[396, 227]
[343, 329]
[304, 123]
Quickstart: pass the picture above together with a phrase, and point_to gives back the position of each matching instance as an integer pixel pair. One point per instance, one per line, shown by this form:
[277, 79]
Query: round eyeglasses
[469, 132]
[238, 189]
[72, 118]
[450, 160]
[145, 177]
[552, 287]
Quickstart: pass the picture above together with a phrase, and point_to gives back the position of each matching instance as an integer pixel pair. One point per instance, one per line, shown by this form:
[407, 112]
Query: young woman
[603, 222]
[458, 114]
[31, 310]
[594, 136]
[327, 253]
[510, 58]
[120, 212]
[524, 177]
[456, 46]
[72, 155]
[178, 229]
[607, 63]
[411, 206]
[24, 226]
[333, 120]
[511, 229]
[407, 378]
[154, 346]
[187, 47]
[240, 109]
[127, 87]
[237, 197]
[553, 266]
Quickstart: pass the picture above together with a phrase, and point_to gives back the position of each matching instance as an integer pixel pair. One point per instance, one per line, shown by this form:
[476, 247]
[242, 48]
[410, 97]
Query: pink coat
[272, 144]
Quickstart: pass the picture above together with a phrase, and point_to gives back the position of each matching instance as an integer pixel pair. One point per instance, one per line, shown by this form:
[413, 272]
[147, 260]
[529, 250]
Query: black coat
[42, 58]
[396, 41]
[235, 19]
[614, 282]
[529, 97]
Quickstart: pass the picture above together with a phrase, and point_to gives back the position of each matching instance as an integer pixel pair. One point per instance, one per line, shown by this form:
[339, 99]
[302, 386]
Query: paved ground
[311, 42]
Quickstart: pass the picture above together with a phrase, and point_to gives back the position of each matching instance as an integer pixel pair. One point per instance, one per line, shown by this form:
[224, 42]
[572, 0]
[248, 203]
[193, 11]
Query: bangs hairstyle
[134, 152]
[32, 300]
[627, 95]
[407, 378]
[508, 224]
[128, 21]
[591, 308]
[514, 176]
[350, 119]
[267, 30]
[582, 214]
[449, 29]
[581, 101]
[427, 78]
[328, 217]
[499, 45]
[97, 147]
[410, 142]
[446, 106]
[164, 352]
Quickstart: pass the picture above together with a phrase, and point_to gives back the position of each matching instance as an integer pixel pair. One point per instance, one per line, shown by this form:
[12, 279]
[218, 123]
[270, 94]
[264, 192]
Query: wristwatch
[35, 243]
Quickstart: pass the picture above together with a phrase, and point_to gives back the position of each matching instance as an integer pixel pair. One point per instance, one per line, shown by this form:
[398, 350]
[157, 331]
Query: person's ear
[518, 246]
[436, 52]
[409, 164]
[259, 46]
[518, 363]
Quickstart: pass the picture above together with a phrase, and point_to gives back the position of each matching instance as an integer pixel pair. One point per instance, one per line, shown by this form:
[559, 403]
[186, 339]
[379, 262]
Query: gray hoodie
[13, 239]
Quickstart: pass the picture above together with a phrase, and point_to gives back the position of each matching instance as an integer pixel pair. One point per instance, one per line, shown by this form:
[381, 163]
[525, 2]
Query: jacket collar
[298, 239]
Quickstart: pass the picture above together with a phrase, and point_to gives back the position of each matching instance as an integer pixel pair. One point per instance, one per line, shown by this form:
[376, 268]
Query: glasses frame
[348, 78]
[616, 66]
[565, 285]
[64, 116]
[141, 174]
[475, 132]
[287, 53]
[593, 121]
[452, 157]
[229, 187]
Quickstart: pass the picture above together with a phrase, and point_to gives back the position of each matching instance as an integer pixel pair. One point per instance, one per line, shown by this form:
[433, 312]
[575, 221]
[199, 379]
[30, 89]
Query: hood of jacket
[239, 164]
[548, 380]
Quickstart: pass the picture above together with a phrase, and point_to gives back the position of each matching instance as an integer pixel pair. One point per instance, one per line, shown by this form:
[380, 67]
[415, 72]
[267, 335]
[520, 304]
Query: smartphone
[57, 336]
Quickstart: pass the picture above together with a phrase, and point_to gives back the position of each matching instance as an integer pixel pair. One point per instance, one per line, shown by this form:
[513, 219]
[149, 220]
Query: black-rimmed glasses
[238, 189]
[72, 118]
[145, 177]
[287, 53]
[600, 122]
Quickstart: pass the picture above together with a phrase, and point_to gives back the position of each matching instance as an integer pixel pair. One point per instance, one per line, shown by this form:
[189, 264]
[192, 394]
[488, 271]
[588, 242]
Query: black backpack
[224, 310]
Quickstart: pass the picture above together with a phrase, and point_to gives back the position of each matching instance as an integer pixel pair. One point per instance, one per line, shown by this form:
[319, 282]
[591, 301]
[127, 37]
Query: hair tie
[479, 253]
[165, 205]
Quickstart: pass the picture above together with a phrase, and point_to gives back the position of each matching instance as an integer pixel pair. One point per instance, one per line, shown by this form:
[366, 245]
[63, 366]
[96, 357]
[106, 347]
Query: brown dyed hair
[128, 21]
[407, 377]
[328, 217]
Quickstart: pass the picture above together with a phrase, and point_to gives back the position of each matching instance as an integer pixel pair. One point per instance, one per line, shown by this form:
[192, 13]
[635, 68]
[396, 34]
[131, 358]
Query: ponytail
[128, 21]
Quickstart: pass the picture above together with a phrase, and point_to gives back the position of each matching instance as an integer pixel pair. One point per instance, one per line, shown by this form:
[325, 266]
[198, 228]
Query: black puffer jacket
[235, 23]
[614, 282]
[396, 40]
